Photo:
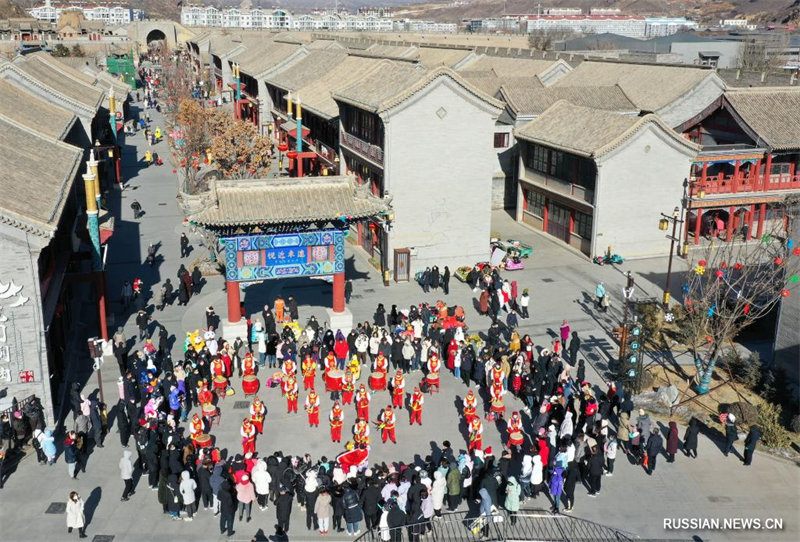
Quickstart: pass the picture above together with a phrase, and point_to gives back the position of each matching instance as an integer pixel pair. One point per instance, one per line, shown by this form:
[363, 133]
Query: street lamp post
[676, 218]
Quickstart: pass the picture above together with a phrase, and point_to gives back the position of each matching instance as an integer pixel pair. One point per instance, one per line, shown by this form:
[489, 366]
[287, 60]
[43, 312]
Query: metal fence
[20, 404]
[536, 525]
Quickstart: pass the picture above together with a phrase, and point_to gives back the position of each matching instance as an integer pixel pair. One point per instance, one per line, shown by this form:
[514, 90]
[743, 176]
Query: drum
[515, 438]
[203, 441]
[250, 384]
[433, 379]
[334, 379]
[377, 381]
[209, 410]
[497, 406]
[220, 383]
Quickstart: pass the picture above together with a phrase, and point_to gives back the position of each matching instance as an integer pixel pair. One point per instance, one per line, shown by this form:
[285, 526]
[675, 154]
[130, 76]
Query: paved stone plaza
[560, 283]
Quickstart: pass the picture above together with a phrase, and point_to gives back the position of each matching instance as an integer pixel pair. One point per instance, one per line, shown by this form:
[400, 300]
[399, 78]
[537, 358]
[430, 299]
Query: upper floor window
[501, 140]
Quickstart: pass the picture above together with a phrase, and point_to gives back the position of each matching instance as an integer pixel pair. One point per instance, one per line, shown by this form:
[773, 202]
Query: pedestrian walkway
[711, 486]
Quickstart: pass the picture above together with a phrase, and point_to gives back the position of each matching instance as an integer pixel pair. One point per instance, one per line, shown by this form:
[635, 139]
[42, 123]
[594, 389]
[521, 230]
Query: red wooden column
[234, 301]
[697, 226]
[767, 174]
[762, 211]
[338, 292]
[545, 215]
[735, 182]
[750, 216]
[731, 218]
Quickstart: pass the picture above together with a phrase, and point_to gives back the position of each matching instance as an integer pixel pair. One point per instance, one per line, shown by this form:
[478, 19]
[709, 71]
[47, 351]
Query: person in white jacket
[438, 492]
[566, 426]
[525, 476]
[537, 475]
[261, 480]
[187, 489]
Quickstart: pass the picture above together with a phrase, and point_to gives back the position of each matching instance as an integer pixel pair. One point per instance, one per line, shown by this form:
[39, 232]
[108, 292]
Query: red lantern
[291, 155]
[746, 308]
[283, 147]
[723, 265]
[785, 293]
[778, 260]
[719, 274]
[702, 262]
[796, 251]
[737, 266]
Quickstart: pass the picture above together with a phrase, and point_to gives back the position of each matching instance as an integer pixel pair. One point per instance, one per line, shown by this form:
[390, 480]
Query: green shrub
[794, 425]
[744, 412]
[651, 316]
[773, 432]
[745, 371]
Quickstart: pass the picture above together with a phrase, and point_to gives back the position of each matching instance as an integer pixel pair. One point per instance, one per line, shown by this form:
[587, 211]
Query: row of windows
[363, 125]
[535, 204]
[567, 167]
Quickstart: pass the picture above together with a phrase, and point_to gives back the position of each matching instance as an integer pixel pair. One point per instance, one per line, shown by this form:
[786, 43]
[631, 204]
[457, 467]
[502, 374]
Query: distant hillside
[9, 10]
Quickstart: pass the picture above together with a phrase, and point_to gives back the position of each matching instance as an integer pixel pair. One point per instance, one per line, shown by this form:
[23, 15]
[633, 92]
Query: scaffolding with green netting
[122, 65]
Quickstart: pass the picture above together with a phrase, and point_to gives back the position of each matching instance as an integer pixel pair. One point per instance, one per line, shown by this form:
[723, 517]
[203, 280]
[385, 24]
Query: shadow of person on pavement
[91, 503]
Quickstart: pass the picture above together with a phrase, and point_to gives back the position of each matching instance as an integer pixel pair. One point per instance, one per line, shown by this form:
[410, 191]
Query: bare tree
[543, 39]
[730, 286]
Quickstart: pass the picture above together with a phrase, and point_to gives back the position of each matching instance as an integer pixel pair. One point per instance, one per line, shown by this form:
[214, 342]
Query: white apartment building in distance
[623, 25]
[110, 14]
[281, 19]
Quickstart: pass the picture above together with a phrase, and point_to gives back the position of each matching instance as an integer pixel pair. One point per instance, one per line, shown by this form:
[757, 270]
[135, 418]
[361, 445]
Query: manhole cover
[56, 508]
[548, 280]
[242, 405]
[369, 290]
[356, 296]
[103, 538]
[162, 204]
[714, 498]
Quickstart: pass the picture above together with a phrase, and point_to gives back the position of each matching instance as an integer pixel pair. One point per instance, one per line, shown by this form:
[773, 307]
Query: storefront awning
[291, 129]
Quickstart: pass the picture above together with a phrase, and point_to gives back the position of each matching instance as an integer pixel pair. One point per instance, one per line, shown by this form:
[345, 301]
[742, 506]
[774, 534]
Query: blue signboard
[250, 258]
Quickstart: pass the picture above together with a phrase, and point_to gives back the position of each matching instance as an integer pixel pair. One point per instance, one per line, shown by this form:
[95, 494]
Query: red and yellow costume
[248, 433]
[226, 363]
[309, 369]
[290, 368]
[291, 392]
[204, 396]
[514, 423]
[330, 362]
[312, 408]
[362, 402]
[387, 425]
[398, 389]
[470, 406]
[248, 365]
[361, 432]
[496, 392]
[434, 366]
[380, 365]
[336, 418]
[348, 387]
[257, 412]
[496, 374]
[417, 400]
[196, 428]
[217, 368]
[475, 435]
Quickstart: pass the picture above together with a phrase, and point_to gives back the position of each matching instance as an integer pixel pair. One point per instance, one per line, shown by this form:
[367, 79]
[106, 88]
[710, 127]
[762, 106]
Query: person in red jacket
[387, 425]
[309, 369]
[340, 350]
[312, 408]
[348, 388]
[362, 403]
[416, 407]
[248, 433]
[291, 394]
[398, 389]
[336, 418]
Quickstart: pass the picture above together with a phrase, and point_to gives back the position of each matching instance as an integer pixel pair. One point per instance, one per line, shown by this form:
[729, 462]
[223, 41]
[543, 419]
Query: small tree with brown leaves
[177, 82]
[240, 152]
[730, 286]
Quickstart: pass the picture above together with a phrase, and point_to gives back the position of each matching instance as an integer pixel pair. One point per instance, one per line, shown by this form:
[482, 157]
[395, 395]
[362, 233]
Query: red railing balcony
[734, 184]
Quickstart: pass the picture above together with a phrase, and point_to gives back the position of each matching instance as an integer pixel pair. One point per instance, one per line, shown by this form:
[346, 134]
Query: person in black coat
[425, 280]
[369, 504]
[574, 348]
[294, 313]
[731, 434]
[596, 466]
[434, 277]
[227, 508]
[446, 280]
[395, 518]
[397, 354]
[750, 442]
[394, 317]
[123, 424]
[352, 509]
[467, 361]
[283, 510]
[690, 438]
[571, 478]
[204, 484]
[380, 315]
[173, 497]
[654, 445]
[197, 280]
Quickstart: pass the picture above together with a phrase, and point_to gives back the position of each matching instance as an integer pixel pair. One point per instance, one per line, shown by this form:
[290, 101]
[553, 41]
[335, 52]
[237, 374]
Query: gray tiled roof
[272, 201]
[433, 57]
[772, 113]
[315, 65]
[37, 114]
[259, 58]
[38, 173]
[316, 96]
[507, 66]
[649, 86]
[527, 97]
[393, 83]
[74, 89]
[588, 132]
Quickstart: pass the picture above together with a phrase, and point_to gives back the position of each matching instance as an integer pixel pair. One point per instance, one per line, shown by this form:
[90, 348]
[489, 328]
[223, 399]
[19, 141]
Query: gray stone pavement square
[561, 283]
